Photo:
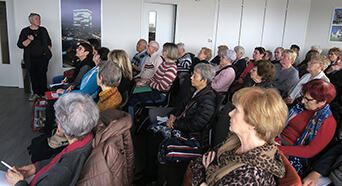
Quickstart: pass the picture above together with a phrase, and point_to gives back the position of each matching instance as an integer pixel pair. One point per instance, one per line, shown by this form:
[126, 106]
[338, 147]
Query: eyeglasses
[306, 99]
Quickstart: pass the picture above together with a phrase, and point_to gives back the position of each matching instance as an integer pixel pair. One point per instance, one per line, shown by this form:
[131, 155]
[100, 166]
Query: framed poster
[80, 20]
[336, 26]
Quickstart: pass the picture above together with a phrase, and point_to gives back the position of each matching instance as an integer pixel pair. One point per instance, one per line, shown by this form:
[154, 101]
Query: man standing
[36, 43]
[140, 57]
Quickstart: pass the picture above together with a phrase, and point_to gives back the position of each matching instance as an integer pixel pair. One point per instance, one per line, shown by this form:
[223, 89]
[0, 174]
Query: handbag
[179, 149]
[38, 114]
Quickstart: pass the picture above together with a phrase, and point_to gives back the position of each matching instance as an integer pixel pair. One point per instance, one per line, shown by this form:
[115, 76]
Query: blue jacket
[89, 84]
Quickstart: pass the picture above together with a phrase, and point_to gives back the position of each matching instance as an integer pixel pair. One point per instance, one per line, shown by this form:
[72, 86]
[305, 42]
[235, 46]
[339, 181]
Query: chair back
[291, 177]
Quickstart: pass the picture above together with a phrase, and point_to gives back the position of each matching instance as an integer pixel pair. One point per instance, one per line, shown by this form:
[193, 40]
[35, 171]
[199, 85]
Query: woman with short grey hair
[225, 72]
[76, 116]
[108, 78]
[240, 62]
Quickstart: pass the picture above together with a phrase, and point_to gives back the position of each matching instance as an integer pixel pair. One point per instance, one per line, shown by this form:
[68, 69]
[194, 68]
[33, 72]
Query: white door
[158, 22]
[8, 68]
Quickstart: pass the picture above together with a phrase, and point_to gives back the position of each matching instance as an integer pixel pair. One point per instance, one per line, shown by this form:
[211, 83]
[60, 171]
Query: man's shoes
[33, 97]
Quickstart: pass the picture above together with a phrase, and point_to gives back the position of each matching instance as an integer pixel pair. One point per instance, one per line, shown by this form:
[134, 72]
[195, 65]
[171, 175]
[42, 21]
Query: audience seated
[303, 65]
[184, 61]
[249, 156]
[193, 117]
[333, 55]
[84, 52]
[258, 54]
[310, 125]
[152, 62]
[240, 62]
[216, 60]
[108, 78]
[286, 75]
[89, 83]
[120, 57]
[268, 55]
[76, 116]
[203, 57]
[261, 75]
[278, 52]
[296, 49]
[160, 83]
[139, 58]
[111, 160]
[225, 72]
[316, 67]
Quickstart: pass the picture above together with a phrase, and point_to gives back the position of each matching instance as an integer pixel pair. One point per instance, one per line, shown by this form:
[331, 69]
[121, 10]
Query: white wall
[319, 24]
[121, 25]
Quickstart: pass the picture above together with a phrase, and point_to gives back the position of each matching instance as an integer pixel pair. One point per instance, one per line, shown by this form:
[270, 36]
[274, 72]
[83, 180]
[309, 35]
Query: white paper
[56, 84]
[162, 119]
[323, 181]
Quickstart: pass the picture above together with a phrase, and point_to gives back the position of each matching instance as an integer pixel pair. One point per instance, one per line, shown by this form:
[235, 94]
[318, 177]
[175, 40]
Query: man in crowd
[278, 52]
[140, 57]
[36, 42]
[152, 62]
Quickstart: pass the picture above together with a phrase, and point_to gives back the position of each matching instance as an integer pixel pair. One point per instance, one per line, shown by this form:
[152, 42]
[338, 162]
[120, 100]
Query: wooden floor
[15, 128]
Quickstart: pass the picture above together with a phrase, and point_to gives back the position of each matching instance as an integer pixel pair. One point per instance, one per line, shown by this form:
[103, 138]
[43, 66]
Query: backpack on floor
[38, 114]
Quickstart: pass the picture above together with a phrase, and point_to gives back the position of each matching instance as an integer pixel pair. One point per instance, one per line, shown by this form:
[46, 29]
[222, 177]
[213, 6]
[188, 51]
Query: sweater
[184, 63]
[110, 98]
[224, 79]
[284, 80]
[295, 129]
[150, 66]
[164, 77]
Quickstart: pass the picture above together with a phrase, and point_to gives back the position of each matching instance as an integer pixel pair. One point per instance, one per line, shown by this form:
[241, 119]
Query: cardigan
[224, 79]
[150, 66]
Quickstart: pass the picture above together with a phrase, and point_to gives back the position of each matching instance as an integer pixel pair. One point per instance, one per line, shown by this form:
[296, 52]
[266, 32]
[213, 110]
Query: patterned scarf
[310, 132]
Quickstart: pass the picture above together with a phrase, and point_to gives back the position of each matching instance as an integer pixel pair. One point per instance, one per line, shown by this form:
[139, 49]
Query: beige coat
[111, 161]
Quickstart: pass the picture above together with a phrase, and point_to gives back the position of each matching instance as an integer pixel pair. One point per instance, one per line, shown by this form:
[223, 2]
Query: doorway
[158, 22]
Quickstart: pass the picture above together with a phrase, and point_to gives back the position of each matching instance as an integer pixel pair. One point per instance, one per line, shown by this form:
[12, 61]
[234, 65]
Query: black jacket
[324, 164]
[41, 41]
[65, 171]
[195, 122]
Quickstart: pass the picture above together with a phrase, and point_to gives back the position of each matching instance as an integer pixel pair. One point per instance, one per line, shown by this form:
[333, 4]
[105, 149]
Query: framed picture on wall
[81, 21]
[336, 26]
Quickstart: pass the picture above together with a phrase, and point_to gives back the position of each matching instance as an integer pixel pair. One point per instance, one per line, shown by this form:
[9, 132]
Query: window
[152, 20]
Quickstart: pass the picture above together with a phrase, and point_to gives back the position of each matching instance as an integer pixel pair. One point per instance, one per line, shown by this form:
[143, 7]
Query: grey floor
[15, 126]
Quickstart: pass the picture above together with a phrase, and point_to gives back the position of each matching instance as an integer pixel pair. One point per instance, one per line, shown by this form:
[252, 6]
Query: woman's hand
[27, 170]
[170, 121]
[207, 159]
[203, 184]
[13, 176]
[70, 88]
[288, 100]
[311, 179]
[60, 91]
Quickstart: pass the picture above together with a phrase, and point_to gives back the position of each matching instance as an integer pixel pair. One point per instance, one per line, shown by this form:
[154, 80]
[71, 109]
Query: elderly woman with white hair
[225, 72]
[76, 116]
[316, 67]
[240, 62]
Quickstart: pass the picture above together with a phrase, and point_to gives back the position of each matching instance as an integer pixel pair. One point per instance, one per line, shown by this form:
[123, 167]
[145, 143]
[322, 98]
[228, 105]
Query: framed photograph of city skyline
[336, 26]
[80, 20]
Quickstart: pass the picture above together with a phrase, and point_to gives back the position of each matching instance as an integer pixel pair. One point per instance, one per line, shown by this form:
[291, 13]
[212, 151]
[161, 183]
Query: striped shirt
[163, 78]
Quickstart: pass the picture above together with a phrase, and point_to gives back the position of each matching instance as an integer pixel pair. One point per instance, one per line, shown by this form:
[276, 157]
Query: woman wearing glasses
[310, 125]
[315, 67]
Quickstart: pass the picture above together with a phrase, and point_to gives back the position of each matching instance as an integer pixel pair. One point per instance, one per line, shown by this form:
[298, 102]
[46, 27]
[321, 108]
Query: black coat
[195, 122]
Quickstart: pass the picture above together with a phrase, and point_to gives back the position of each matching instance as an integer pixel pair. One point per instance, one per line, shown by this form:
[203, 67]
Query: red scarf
[78, 144]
